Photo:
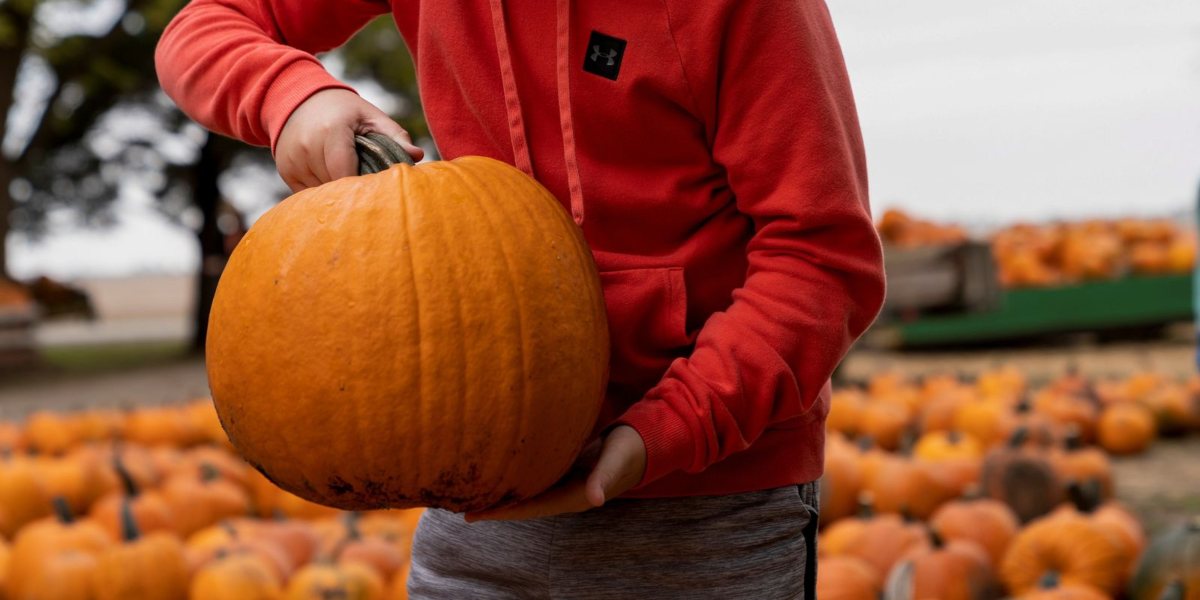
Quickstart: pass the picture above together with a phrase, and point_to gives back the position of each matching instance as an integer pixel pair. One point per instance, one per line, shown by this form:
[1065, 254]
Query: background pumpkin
[989, 523]
[320, 581]
[1126, 428]
[1069, 547]
[146, 568]
[1022, 478]
[958, 570]
[468, 269]
[847, 578]
[239, 576]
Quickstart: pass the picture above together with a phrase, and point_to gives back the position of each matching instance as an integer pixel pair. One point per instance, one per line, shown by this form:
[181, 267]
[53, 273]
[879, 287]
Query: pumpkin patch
[944, 514]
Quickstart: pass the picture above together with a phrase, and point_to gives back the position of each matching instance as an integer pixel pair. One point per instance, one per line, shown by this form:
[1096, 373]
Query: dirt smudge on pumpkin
[340, 486]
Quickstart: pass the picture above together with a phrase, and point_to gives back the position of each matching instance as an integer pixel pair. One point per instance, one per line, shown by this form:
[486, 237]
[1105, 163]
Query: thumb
[609, 471]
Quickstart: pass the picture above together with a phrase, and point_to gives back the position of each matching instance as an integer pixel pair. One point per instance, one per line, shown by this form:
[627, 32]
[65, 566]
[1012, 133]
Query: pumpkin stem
[908, 439]
[936, 539]
[1019, 437]
[208, 472]
[127, 482]
[62, 510]
[378, 152]
[1049, 580]
[1174, 591]
[866, 505]
[1085, 496]
[1024, 406]
[227, 525]
[953, 436]
[972, 492]
[865, 443]
[1073, 438]
[129, 528]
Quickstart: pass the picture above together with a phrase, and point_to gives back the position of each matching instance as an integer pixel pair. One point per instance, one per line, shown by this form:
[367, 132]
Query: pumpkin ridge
[519, 432]
[463, 368]
[406, 184]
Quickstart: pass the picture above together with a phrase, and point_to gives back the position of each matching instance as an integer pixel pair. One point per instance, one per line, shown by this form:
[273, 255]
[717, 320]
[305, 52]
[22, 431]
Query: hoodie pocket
[647, 323]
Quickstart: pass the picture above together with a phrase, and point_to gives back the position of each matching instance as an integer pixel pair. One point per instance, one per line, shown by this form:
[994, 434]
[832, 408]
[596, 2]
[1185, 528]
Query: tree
[109, 126]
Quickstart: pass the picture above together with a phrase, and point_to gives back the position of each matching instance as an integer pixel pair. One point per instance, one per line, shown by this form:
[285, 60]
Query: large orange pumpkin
[422, 336]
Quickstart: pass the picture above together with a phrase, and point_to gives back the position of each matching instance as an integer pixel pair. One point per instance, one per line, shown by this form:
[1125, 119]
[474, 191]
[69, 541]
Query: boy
[711, 154]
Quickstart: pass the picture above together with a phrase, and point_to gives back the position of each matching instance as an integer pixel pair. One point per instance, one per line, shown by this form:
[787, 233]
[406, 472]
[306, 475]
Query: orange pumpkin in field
[913, 487]
[1070, 547]
[1108, 516]
[847, 578]
[954, 570]
[1175, 409]
[1022, 478]
[841, 483]
[885, 423]
[1078, 463]
[1126, 428]
[845, 411]
[986, 420]
[878, 540]
[949, 445]
[437, 331]
[989, 523]
[1051, 588]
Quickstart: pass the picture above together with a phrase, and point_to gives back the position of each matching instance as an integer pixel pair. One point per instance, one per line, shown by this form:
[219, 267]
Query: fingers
[296, 174]
[381, 123]
[316, 145]
[339, 157]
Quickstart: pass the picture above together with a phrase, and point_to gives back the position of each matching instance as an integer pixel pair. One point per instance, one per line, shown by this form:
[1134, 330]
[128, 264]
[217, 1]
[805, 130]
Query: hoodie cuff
[290, 89]
[668, 438]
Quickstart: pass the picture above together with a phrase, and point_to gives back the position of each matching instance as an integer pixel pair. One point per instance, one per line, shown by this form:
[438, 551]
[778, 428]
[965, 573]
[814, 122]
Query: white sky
[978, 112]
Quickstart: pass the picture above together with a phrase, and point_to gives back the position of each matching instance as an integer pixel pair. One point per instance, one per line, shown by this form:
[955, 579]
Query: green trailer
[1132, 302]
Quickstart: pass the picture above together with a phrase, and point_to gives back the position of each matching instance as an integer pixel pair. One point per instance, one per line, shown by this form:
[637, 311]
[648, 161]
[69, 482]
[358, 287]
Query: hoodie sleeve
[240, 67]
[770, 82]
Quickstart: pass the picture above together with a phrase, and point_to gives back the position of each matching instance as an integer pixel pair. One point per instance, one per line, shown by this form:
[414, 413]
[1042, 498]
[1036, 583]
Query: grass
[94, 358]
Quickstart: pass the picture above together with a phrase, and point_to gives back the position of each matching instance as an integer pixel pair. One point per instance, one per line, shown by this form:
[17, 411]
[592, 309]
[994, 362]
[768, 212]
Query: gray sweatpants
[758, 545]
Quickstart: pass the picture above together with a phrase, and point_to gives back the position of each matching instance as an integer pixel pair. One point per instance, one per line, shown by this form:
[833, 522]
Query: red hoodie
[709, 150]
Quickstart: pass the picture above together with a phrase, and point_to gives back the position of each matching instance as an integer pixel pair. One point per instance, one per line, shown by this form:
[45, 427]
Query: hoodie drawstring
[512, 100]
[564, 109]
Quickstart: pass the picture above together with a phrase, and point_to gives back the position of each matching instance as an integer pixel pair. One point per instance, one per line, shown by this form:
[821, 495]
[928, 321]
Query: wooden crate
[17, 348]
[937, 279]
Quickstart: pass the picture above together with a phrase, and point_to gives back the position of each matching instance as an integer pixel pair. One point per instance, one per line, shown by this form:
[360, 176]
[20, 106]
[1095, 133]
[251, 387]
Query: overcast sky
[1027, 109]
[979, 112]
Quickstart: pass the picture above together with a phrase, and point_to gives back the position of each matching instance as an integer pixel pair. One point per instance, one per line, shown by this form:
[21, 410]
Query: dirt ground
[1162, 485]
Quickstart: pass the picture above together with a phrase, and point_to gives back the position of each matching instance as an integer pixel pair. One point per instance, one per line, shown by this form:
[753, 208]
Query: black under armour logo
[604, 55]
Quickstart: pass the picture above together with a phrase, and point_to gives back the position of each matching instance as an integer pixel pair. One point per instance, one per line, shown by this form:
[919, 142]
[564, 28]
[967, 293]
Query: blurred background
[1035, 172]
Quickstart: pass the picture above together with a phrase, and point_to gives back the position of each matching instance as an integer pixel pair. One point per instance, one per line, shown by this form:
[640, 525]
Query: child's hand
[619, 467]
[317, 143]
